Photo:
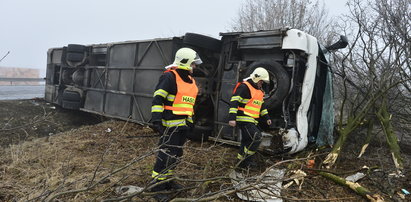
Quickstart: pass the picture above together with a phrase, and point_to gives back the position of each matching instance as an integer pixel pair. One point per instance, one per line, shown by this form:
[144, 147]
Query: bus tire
[279, 81]
[202, 41]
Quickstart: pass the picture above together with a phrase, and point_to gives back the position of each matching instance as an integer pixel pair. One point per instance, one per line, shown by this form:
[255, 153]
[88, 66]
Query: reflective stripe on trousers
[250, 139]
[171, 145]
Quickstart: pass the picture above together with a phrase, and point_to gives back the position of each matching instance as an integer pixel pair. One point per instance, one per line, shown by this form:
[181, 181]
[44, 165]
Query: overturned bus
[118, 80]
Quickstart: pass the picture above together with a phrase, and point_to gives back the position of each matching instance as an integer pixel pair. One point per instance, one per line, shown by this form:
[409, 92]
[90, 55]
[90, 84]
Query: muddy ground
[49, 152]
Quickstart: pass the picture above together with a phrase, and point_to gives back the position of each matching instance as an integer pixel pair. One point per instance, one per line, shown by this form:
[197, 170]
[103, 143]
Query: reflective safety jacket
[253, 106]
[165, 94]
[247, 104]
[183, 103]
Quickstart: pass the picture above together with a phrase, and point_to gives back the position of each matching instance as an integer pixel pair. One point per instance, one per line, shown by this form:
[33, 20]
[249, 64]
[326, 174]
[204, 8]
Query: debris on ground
[266, 187]
[355, 177]
[71, 156]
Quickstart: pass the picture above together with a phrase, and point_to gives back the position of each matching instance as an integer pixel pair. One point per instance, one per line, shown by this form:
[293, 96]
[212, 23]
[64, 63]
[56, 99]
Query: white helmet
[260, 74]
[185, 56]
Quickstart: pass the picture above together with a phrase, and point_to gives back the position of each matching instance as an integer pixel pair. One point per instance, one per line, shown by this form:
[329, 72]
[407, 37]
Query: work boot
[157, 186]
[248, 163]
[173, 185]
[160, 197]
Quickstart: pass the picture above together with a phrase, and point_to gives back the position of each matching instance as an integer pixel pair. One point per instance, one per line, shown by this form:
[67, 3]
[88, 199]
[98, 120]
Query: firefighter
[172, 110]
[246, 106]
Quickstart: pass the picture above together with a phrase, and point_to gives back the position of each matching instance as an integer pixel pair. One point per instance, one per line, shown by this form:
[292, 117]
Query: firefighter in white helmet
[179, 60]
[246, 106]
[172, 110]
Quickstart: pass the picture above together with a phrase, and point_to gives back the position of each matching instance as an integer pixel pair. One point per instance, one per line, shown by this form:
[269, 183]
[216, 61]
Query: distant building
[18, 72]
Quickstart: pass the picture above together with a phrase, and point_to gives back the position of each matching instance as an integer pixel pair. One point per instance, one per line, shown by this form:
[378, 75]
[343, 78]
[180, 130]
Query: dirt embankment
[23, 120]
[48, 151]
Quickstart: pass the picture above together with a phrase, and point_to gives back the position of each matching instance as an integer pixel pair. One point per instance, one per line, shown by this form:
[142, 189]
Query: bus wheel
[279, 85]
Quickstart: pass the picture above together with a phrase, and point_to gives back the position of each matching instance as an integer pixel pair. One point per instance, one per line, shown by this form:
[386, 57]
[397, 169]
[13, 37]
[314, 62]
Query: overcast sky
[30, 27]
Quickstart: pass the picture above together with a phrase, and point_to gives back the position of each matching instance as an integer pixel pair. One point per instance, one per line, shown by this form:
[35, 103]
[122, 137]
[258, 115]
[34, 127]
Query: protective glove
[232, 123]
[158, 127]
[190, 125]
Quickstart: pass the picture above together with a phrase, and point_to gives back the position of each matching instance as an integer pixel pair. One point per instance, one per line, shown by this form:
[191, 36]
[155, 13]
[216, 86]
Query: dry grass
[69, 160]
[38, 169]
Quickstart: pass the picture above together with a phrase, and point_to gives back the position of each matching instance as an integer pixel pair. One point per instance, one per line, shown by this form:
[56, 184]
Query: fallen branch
[231, 190]
[336, 172]
[209, 196]
[357, 188]
[385, 119]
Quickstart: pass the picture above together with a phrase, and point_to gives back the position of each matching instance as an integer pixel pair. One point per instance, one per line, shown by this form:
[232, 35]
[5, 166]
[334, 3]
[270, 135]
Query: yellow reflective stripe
[249, 152]
[250, 114]
[157, 108]
[233, 110]
[169, 172]
[239, 99]
[170, 97]
[154, 174]
[239, 156]
[183, 105]
[190, 119]
[252, 108]
[158, 176]
[189, 113]
[162, 176]
[181, 109]
[182, 67]
[264, 112]
[246, 119]
[174, 123]
[235, 98]
[244, 101]
[161, 93]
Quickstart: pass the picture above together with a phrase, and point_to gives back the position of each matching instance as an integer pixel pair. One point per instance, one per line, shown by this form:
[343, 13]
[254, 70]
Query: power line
[5, 56]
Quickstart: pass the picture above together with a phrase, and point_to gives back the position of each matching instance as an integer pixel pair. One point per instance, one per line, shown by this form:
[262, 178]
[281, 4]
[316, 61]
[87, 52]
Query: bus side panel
[124, 87]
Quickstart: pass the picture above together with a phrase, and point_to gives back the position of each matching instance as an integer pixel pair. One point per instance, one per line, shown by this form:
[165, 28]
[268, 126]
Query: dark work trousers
[171, 142]
[250, 137]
